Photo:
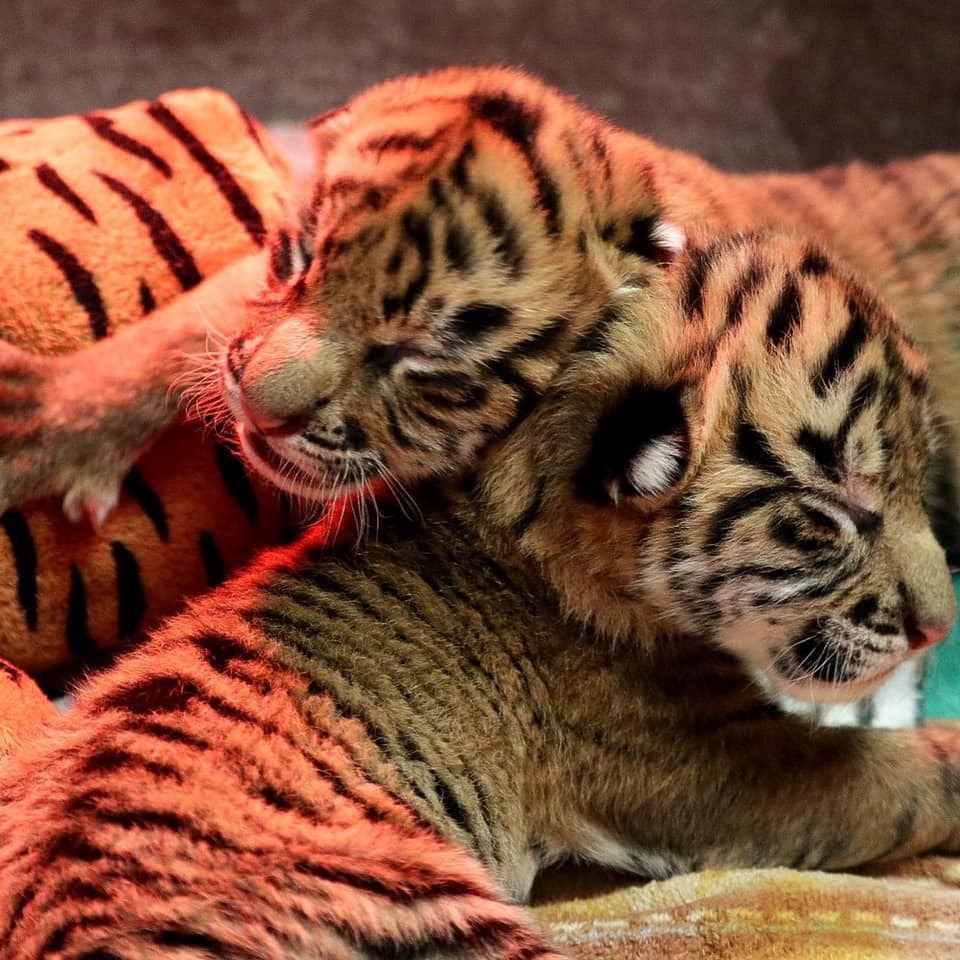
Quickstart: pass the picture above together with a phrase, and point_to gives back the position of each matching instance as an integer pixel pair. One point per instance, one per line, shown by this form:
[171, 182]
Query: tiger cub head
[740, 456]
[464, 231]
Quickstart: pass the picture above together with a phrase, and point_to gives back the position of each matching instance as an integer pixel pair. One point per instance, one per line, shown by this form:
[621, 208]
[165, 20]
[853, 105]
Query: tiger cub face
[463, 231]
[750, 470]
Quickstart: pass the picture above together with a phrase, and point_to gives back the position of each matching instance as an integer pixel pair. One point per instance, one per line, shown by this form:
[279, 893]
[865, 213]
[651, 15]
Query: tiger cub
[465, 227]
[371, 755]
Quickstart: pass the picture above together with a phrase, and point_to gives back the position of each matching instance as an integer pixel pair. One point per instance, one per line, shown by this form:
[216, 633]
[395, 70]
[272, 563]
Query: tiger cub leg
[777, 791]
[200, 802]
[82, 419]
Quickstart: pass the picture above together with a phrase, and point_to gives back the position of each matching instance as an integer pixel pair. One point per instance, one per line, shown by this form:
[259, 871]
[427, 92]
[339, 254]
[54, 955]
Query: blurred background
[749, 84]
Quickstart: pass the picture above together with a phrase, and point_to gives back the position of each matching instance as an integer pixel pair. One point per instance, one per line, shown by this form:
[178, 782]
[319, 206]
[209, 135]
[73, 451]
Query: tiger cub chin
[372, 754]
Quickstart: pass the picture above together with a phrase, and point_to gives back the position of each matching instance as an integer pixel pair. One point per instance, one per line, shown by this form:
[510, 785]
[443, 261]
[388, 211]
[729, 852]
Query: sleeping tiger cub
[371, 755]
[469, 225]
[466, 230]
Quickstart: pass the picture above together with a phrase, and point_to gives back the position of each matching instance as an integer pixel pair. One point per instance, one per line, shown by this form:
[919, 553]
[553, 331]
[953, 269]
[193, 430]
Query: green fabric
[942, 681]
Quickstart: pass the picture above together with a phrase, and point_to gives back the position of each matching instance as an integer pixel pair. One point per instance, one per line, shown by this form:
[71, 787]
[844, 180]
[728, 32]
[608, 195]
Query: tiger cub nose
[923, 635]
[270, 424]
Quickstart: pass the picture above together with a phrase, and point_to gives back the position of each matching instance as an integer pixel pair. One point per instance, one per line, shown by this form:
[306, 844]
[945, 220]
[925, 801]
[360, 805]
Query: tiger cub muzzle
[282, 391]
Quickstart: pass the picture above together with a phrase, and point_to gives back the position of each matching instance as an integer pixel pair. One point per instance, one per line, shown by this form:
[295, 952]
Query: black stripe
[753, 447]
[162, 235]
[745, 287]
[458, 247]
[508, 247]
[221, 651]
[814, 264]
[4, 165]
[109, 759]
[825, 450]
[531, 511]
[131, 598]
[11, 672]
[194, 940]
[739, 506]
[79, 641]
[527, 392]
[843, 353]
[548, 196]
[540, 342]
[640, 242]
[80, 279]
[281, 256]
[413, 291]
[170, 693]
[864, 394]
[785, 316]
[419, 883]
[24, 561]
[595, 339]
[60, 188]
[458, 169]
[397, 432]
[104, 128]
[402, 141]
[213, 563]
[148, 302]
[235, 479]
[476, 321]
[251, 127]
[696, 277]
[240, 204]
[438, 193]
[519, 123]
[135, 487]
[513, 119]
[161, 731]
[417, 228]
[786, 531]
[452, 807]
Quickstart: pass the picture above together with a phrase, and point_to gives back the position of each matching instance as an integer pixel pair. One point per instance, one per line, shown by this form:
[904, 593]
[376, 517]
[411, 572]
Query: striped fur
[114, 219]
[791, 531]
[372, 755]
[466, 231]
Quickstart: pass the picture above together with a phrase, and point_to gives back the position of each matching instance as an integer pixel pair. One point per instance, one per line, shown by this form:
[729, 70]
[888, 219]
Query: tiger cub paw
[53, 442]
[94, 503]
[942, 742]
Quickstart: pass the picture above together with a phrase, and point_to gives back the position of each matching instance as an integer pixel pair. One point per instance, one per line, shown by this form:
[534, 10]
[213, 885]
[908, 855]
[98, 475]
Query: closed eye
[381, 358]
[833, 516]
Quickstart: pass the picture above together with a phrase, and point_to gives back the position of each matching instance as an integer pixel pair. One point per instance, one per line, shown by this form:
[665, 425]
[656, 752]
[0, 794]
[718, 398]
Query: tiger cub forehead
[477, 179]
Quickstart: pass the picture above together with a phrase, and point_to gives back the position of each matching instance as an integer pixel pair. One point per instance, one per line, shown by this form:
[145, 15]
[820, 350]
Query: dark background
[748, 84]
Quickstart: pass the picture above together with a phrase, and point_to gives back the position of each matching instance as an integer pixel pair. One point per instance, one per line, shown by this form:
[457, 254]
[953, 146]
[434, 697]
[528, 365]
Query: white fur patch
[656, 467]
[669, 236]
[595, 845]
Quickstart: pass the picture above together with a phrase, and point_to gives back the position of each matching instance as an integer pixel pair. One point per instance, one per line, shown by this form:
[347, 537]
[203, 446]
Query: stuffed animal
[191, 183]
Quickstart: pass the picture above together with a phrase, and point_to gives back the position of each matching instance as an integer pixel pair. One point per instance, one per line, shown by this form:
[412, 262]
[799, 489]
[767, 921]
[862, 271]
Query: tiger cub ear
[647, 236]
[640, 449]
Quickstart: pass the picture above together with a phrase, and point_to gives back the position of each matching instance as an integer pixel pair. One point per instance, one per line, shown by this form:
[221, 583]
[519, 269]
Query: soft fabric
[913, 912]
[107, 216]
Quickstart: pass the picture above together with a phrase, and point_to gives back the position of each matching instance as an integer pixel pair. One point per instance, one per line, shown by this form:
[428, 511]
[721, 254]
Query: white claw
[96, 505]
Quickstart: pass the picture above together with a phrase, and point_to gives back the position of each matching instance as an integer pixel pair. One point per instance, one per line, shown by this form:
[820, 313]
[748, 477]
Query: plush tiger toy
[372, 754]
[108, 217]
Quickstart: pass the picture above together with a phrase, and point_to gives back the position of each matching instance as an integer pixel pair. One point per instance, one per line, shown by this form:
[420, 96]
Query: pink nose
[271, 426]
[923, 635]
